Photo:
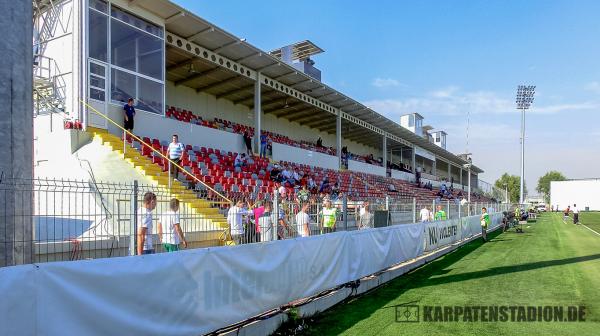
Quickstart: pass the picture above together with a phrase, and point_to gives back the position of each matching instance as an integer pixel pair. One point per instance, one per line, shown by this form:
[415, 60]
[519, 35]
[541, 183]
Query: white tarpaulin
[192, 292]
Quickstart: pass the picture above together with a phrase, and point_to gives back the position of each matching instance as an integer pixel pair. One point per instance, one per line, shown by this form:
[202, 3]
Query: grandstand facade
[192, 78]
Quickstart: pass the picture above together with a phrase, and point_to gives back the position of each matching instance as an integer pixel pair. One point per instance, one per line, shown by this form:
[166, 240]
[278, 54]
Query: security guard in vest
[328, 217]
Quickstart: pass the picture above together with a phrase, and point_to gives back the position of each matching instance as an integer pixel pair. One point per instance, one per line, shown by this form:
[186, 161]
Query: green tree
[543, 186]
[513, 183]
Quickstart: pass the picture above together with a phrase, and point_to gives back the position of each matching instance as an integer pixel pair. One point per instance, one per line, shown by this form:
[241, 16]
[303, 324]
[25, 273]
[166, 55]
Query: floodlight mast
[524, 100]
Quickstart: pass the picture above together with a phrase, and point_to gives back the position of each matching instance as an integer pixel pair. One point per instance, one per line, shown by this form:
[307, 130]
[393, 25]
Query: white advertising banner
[441, 233]
[195, 291]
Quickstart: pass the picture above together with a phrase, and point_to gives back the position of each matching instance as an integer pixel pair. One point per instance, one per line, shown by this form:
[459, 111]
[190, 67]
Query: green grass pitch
[553, 263]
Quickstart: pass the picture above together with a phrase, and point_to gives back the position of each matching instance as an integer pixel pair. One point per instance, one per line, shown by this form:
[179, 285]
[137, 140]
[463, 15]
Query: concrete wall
[209, 107]
[584, 193]
[294, 154]
[401, 175]
[365, 168]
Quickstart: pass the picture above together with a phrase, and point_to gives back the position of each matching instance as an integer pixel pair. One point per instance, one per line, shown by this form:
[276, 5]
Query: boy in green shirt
[440, 214]
[485, 221]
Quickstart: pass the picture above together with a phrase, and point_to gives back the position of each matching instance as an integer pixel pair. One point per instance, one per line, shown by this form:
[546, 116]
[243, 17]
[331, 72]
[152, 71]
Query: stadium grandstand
[247, 146]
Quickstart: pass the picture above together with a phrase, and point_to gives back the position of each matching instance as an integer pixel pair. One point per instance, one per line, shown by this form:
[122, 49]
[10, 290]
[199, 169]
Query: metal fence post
[169, 174]
[448, 207]
[345, 211]
[459, 209]
[133, 199]
[275, 214]
[414, 210]
[387, 203]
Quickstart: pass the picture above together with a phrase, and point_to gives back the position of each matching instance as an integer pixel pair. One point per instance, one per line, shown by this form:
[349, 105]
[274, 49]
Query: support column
[257, 113]
[338, 138]
[16, 130]
[460, 178]
[434, 168]
[384, 152]
[414, 161]
[449, 172]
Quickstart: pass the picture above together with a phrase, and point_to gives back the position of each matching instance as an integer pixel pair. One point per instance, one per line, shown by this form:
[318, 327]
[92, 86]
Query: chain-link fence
[73, 220]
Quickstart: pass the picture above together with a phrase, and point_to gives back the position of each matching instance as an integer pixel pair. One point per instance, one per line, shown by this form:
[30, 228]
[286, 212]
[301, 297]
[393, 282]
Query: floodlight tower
[524, 100]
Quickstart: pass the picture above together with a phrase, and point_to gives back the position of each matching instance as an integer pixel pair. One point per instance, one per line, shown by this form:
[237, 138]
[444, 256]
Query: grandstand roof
[194, 72]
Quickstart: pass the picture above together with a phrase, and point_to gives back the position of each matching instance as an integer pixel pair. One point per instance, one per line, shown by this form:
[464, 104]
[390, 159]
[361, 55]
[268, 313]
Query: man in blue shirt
[129, 114]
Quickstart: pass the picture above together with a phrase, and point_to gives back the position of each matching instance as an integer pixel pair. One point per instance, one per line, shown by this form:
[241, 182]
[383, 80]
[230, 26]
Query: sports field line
[585, 226]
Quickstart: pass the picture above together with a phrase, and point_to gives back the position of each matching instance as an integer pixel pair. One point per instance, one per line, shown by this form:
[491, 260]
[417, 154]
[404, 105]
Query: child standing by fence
[169, 228]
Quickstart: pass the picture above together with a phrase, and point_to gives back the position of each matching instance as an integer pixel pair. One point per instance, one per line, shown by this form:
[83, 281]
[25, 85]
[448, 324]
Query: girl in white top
[169, 228]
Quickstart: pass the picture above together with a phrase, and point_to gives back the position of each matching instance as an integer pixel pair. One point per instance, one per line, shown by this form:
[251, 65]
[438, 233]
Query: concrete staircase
[200, 208]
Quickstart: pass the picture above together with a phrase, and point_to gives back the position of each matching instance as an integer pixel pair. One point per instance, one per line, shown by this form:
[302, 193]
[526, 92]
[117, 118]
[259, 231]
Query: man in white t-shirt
[425, 215]
[169, 228]
[145, 245]
[303, 221]
[175, 153]
[575, 214]
[235, 220]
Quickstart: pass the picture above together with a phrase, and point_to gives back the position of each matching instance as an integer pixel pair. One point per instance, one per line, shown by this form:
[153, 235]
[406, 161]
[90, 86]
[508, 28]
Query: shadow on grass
[357, 309]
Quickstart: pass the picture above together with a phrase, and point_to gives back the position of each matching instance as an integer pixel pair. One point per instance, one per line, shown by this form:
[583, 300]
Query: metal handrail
[155, 151]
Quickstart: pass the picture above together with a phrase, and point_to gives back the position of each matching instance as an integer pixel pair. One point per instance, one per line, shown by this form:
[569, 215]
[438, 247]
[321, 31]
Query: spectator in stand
[366, 220]
[443, 188]
[235, 219]
[303, 195]
[319, 142]
[303, 221]
[264, 139]
[129, 114]
[335, 192]
[281, 190]
[324, 187]
[425, 215]
[312, 186]
[258, 211]
[144, 233]
[248, 143]
[175, 153]
[240, 160]
[296, 177]
[328, 217]
[418, 177]
[265, 222]
[169, 228]
[283, 230]
[275, 173]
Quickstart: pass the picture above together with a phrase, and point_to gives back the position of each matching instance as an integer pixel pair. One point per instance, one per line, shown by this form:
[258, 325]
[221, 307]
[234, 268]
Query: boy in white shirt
[425, 214]
[169, 228]
[303, 221]
[144, 233]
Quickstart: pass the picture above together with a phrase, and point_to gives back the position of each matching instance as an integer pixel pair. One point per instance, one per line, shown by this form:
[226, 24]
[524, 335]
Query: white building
[584, 193]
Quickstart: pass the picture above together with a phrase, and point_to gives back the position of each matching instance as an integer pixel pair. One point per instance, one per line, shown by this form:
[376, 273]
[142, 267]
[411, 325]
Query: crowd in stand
[299, 185]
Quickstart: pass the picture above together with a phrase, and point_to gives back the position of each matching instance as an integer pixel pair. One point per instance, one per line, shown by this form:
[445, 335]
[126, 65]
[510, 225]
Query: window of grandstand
[136, 56]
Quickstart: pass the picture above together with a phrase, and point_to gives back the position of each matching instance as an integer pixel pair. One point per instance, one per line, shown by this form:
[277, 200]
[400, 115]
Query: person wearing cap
[129, 114]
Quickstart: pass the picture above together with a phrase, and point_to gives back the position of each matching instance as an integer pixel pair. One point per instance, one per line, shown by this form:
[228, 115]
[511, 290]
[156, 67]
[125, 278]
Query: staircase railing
[159, 153]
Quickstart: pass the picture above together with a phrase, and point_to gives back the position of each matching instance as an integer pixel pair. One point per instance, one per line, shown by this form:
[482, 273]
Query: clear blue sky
[444, 58]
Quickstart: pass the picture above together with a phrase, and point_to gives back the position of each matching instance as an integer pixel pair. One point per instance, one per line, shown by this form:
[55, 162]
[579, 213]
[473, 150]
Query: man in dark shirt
[129, 114]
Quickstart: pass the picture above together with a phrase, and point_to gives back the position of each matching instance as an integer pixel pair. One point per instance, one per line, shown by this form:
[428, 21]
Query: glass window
[123, 45]
[96, 81]
[411, 121]
[150, 56]
[99, 5]
[122, 86]
[98, 33]
[150, 95]
[97, 94]
[148, 27]
[135, 50]
[97, 69]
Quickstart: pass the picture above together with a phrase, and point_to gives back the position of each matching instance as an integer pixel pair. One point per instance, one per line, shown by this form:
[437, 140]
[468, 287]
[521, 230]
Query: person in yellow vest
[440, 214]
[517, 214]
[485, 221]
[328, 217]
